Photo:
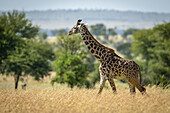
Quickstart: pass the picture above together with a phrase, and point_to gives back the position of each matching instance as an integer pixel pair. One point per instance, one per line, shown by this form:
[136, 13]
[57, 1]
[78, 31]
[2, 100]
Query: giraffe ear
[79, 20]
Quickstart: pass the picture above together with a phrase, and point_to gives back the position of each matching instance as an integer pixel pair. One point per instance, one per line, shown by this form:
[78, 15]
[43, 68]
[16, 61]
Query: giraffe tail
[140, 76]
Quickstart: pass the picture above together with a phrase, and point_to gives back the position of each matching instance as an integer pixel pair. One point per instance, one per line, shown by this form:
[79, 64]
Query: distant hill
[56, 19]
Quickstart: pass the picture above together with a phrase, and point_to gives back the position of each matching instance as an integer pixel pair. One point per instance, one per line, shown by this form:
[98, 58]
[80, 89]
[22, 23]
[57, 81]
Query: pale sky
[133, 5]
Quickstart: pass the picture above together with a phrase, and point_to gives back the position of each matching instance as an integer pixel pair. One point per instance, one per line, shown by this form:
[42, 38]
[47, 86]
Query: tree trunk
[16, 80]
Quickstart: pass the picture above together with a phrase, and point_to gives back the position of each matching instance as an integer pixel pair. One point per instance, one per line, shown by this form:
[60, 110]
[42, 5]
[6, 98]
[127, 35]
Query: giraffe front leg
[112, 84]
[102, 82]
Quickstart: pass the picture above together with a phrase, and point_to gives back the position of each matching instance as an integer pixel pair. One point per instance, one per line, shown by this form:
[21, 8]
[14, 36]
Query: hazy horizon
[120, 5]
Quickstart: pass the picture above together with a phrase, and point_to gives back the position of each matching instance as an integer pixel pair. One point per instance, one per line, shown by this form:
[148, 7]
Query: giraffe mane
[97, 40]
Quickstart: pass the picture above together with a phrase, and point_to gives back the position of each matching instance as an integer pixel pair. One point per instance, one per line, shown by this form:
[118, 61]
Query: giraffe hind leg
[137, 85]
[132, 88]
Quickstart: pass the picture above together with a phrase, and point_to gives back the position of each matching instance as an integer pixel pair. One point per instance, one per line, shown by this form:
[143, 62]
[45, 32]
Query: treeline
[24, 51]
[96, 15]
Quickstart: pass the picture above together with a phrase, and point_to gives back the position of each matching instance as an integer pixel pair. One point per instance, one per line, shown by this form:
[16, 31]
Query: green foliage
[153, 45]
[33, 58]
[112, 32]
[40, 55]
[17, 23]
[54, 32]
[129, 31]
[20, 54]
[71, 70]
[60, 32]
[13, 27]
[95, 76]
[8, 42]
[43, 35]
[125, 50]
[98, 29]
[72, 45]
[72, 63]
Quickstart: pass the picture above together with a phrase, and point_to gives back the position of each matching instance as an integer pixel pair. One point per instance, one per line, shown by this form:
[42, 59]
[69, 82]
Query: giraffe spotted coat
[112, 66]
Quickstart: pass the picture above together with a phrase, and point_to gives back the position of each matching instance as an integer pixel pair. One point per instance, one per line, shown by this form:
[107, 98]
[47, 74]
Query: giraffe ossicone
[111, 66]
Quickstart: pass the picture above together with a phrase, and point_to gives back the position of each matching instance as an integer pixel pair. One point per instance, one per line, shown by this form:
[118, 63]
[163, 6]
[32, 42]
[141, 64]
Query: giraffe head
[76, 28]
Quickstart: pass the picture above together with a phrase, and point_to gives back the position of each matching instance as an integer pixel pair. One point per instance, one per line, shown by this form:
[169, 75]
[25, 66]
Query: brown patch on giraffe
[91, 45]
[109, 66]
[92, 51]
[84, 38]
[96, 52]
[97, 56]
[102, 55]
[86, 43]
[97, 48]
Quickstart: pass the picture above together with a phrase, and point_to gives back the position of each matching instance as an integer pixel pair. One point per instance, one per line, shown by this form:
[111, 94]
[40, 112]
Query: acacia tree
[14, 26]
[33, 59]
[21, 54]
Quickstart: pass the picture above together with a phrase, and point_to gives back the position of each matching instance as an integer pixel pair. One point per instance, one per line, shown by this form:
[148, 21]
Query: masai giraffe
[112, 66]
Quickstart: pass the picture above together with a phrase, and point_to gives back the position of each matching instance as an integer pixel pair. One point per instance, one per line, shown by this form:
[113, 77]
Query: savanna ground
[41, 97]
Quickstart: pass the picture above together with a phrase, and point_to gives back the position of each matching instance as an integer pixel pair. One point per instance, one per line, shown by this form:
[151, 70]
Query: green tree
[61, 32]
[72, 63]
[14, 26]
[98, 29]
[112, 32]
[129, 31]
[8, 42]
[41, 55]
[20, 53]
[153, 45]
[71, 70]
[54, 32]
[95, 76]
[43, 35]
[125, 49]
[33, 59]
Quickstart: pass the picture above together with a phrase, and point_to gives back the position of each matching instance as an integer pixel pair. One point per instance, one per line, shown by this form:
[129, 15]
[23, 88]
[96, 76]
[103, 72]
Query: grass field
[43, 98]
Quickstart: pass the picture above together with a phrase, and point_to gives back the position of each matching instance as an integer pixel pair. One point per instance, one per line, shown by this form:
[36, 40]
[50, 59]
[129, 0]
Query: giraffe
[111, 66]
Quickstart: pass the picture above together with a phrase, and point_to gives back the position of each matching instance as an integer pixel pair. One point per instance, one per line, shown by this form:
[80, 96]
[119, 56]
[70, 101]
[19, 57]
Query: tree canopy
[20, 53]
[14, 26]
[129, 31]
[98, 29]
[153, 46]
[72, 62]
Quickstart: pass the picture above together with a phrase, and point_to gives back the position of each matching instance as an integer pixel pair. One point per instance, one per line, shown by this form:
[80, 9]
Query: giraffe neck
[96, 48]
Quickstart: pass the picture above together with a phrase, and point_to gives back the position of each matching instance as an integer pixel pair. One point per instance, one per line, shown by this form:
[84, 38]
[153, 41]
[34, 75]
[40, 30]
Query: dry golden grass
[42, 97]
[65, 100]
